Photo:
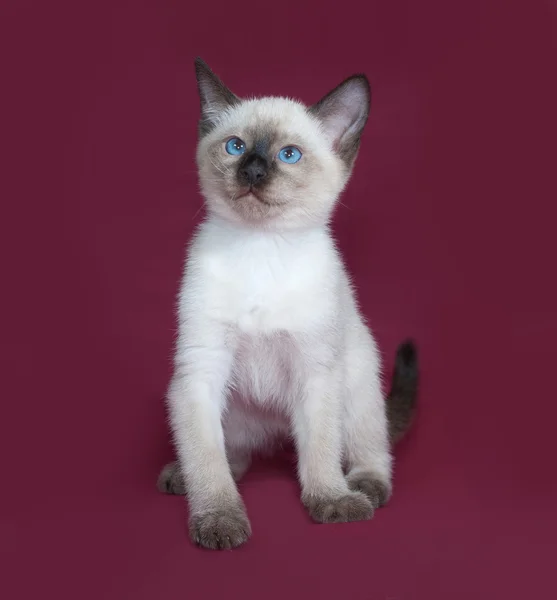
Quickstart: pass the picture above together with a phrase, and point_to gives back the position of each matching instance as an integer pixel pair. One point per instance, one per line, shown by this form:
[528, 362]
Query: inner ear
[214, 95]
[343, 113]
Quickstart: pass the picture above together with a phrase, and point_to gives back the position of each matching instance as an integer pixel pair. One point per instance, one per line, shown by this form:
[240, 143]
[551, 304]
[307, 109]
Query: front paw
[220, 529]
[352, 507]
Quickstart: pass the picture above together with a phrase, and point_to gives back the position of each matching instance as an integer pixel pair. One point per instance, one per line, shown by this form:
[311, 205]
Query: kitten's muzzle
[253, 170]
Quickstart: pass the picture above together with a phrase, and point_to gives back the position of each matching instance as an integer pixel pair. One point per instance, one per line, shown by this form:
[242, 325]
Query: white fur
[271, 342]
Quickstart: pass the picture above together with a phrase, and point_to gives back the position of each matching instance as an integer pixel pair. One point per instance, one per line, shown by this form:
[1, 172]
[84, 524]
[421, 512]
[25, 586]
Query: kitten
[271, 342]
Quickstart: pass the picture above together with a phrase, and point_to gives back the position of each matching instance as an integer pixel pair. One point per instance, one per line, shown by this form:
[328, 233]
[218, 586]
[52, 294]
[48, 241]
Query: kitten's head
[273, 162]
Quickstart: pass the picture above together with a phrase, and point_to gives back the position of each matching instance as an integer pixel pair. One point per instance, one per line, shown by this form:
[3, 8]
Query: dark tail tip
[401, 401]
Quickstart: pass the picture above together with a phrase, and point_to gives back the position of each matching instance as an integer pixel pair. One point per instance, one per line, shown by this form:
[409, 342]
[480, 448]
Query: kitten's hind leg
[366, 439]
[371, 484]
[368, 460]
[171, 480]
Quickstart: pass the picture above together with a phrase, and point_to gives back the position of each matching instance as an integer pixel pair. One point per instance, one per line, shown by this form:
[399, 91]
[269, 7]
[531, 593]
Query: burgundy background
[448, 228]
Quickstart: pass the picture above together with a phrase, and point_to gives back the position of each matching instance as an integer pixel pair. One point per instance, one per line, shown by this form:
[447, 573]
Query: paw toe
[220, 530]
[351, 507]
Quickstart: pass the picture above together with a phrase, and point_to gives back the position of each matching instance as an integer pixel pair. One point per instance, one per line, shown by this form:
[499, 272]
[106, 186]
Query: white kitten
[271, 342]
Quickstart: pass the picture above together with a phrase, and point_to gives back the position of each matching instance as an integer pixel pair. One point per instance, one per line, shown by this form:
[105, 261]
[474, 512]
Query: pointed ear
[343, 114]
[214, 95]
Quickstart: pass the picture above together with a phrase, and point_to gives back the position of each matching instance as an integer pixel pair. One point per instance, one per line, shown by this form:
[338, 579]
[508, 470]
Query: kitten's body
[271, 342]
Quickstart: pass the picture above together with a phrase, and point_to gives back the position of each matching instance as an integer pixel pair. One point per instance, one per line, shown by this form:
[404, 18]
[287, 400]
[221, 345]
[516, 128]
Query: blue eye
[290, 155]
[235, 146]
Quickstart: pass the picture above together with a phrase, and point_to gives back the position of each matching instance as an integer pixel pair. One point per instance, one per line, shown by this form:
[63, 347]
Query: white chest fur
[263, 283]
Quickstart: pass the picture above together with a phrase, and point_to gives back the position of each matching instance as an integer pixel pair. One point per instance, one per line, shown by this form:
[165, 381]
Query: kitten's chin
[253, 208]
[250, 211]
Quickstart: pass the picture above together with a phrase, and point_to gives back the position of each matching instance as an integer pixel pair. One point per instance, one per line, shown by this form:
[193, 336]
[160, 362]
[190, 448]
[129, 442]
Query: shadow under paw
[171, 480]
[376, 490]
[352, 507]
[220, 530]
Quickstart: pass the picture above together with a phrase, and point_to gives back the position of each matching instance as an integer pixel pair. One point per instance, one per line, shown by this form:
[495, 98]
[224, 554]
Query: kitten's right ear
[214, 95]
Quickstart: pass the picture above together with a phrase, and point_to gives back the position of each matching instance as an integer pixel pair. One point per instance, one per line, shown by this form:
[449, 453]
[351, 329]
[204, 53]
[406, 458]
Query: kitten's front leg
[318, 431]
[171, 477]
[196, 397]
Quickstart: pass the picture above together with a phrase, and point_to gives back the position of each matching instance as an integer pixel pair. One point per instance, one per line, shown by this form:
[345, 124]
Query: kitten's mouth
[256, 195]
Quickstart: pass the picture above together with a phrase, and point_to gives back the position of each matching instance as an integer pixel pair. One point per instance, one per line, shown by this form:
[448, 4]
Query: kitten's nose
[254, 170]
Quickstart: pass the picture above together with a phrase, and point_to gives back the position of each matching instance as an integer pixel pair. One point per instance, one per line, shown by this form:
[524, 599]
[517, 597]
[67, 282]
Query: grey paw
[220, 530]
[352, 507]
[376, 490]
[171, 481]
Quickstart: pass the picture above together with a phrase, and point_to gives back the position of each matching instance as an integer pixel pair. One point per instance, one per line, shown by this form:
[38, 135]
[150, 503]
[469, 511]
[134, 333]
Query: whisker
[217, 167]
[198, 211]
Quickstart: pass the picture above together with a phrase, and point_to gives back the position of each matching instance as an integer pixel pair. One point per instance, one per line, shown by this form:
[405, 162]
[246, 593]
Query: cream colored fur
[271, 341]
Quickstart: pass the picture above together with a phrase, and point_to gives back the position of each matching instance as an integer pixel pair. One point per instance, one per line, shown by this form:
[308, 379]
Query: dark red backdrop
[448, 229]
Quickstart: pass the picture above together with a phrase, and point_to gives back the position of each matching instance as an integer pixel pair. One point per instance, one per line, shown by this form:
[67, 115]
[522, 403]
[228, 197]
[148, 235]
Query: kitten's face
[273, 162]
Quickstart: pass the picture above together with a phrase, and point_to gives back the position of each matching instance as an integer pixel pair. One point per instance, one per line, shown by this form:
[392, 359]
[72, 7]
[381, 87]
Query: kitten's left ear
[343, 113]
[214, 95]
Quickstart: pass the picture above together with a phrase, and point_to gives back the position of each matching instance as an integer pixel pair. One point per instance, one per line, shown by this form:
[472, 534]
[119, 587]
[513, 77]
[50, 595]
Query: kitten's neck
[266, 229]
